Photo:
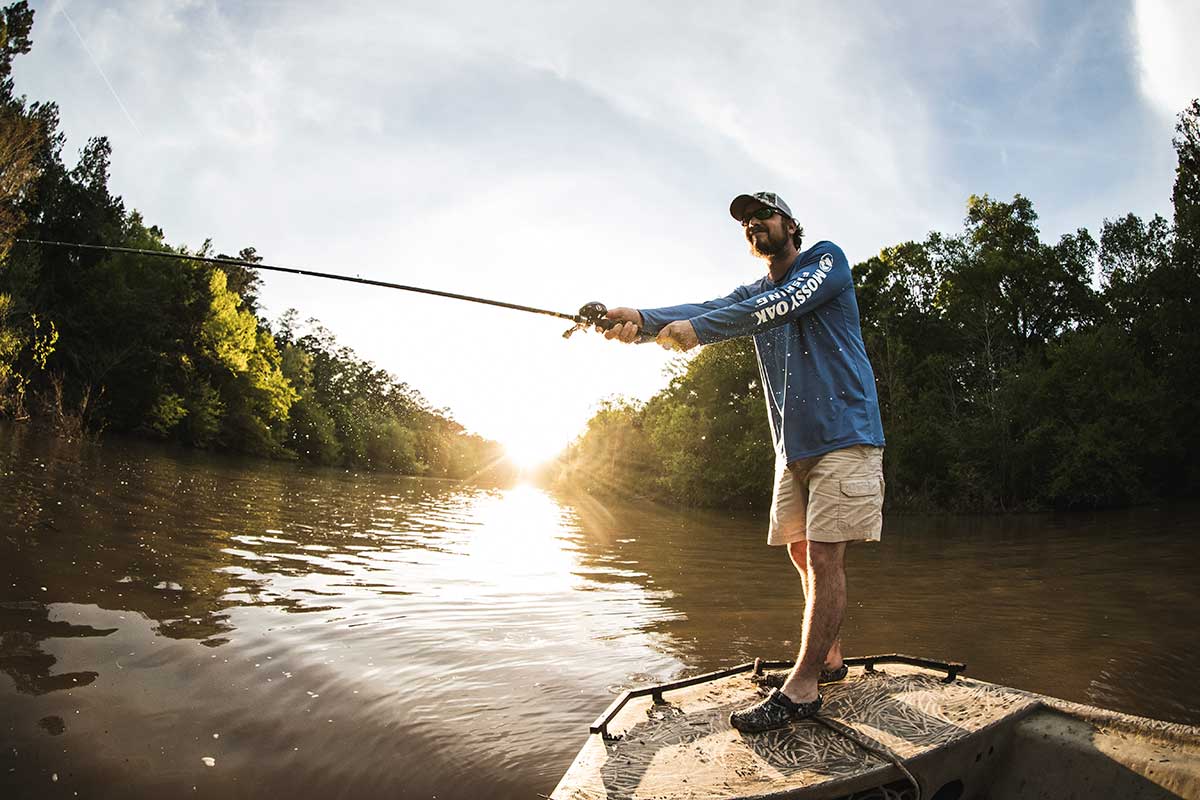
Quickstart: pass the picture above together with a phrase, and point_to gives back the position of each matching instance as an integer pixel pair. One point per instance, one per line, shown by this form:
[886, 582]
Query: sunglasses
[763, 213]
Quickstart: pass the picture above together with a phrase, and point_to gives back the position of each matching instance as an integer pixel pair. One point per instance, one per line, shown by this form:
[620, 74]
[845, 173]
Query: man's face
[767, 237]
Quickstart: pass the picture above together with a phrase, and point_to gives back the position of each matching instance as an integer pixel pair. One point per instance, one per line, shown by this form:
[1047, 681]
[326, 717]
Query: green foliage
[204, 412]
[1088, 447]
[1181, 306]
[20, 134]
[25, 348]
[701, 441]
[227, 337]
[980, 343]
[166, 413]
[614, 453]
[16, 21]
[12, 341]
[709, 429]
[349, 412]
[312, 434]
[176, 349]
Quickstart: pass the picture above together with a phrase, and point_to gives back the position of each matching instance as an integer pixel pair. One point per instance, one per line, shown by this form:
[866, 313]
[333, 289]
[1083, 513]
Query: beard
[769, 245]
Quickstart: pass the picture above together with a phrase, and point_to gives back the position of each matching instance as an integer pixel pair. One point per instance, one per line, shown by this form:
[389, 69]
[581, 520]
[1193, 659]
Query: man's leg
[840, 495]
[798, 552]
[824, 608]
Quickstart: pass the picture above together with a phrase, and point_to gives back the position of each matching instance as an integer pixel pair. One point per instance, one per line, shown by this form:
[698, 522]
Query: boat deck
[957, 738]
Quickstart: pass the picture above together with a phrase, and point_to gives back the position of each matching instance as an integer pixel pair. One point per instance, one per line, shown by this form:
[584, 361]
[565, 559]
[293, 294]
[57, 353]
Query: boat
[898, 727]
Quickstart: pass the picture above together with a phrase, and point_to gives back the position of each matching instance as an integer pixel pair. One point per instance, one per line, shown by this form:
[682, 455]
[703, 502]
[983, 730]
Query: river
[175, 623]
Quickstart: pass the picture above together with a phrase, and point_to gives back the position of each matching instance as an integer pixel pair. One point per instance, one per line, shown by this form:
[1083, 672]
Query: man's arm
[654, 320]
[810, 286]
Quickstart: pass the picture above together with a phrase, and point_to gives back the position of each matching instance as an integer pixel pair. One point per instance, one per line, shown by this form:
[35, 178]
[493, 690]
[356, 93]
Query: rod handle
[642, 337]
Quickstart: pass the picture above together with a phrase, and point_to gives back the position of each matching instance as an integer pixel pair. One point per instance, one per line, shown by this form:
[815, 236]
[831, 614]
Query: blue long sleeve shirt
[817, 379]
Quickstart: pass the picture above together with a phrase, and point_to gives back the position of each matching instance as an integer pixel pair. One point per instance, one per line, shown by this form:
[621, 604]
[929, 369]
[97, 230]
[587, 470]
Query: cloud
[1166, 31]
[555, 153]
[782, 94]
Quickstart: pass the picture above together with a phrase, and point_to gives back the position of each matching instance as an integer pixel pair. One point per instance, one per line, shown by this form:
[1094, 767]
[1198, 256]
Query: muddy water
[177, 624]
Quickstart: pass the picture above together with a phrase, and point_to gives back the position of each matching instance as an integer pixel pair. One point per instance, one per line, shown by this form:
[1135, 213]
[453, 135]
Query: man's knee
[824, 556]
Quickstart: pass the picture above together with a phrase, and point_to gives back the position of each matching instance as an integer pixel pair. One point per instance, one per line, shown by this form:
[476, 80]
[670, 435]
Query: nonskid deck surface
[687, 749]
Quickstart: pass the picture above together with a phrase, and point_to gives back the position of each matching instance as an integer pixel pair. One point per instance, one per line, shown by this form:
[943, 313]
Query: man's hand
[678, 335]
[627, 331]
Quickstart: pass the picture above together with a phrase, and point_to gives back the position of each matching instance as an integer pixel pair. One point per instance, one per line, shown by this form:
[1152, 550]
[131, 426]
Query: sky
[556, 153]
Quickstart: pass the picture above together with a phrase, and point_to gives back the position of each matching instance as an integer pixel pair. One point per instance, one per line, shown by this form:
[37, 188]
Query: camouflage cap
[742, 204]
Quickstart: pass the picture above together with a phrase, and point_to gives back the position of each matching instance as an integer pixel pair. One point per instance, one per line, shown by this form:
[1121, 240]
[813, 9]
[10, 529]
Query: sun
[534, 434]
[531, 448]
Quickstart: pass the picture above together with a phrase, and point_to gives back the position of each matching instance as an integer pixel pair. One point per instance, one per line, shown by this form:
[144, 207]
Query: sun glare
[536, 437]
[535, 433]
[532, 448]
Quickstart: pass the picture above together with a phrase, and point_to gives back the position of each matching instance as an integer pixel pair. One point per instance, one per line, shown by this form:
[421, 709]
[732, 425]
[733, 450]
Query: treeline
[1012, 374]
[175, 350]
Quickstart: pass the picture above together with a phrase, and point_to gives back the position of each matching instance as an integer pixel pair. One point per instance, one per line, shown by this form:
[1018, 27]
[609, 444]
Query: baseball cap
[743, 202]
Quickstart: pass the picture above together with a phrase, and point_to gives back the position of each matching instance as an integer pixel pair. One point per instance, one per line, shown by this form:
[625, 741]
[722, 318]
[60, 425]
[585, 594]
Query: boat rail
[600, 726]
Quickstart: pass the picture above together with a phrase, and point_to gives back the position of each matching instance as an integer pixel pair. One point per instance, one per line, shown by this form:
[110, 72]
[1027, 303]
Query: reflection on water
[172, 620]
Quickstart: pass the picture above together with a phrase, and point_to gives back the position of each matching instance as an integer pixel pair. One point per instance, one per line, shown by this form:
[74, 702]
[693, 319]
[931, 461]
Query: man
[824, 414]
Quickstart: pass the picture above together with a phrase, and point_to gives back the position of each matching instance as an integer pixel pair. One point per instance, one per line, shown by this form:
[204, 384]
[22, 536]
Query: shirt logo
[793, 295]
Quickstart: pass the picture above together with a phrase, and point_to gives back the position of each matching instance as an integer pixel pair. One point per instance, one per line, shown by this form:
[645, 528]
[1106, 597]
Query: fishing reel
[594, 314]
[590, 314]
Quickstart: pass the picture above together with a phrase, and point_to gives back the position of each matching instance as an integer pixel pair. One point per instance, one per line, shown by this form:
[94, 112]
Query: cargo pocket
[861, 507]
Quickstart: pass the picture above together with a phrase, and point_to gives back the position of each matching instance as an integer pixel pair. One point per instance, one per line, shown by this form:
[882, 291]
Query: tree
[244, 281]
[16, 21]
[175, 349]
[21, 135]
[1005, 381]
[1181, 296]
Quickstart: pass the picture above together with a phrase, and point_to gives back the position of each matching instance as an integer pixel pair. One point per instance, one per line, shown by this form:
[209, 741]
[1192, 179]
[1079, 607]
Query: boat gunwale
[600, 726]
[1177, 732]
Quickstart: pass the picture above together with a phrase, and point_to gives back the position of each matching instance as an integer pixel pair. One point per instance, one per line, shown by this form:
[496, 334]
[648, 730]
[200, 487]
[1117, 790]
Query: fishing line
[589, 314]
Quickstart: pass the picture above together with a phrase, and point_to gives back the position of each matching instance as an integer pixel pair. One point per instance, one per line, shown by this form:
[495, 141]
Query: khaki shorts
[835, 497]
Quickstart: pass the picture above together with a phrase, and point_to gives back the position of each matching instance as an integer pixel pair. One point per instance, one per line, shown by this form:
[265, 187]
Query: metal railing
[868, 663]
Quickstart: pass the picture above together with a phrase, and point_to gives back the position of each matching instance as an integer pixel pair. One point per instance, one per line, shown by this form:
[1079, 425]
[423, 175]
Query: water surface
[175, 623]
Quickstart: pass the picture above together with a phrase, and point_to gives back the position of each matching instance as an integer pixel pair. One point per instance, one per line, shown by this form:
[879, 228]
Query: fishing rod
[589, 314]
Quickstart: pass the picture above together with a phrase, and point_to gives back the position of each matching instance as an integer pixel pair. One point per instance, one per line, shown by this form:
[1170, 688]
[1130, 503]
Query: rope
[872, 747]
